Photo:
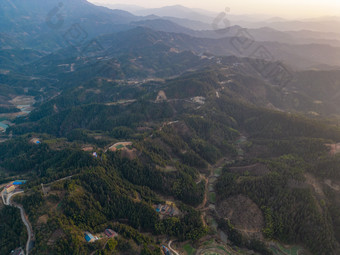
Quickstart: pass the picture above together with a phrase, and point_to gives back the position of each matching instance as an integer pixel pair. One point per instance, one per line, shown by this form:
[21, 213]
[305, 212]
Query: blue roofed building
[89, 237]
[19, 182]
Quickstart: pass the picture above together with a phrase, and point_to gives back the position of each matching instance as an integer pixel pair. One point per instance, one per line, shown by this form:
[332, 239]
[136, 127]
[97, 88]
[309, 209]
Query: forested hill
[165, 135]
[179, 128]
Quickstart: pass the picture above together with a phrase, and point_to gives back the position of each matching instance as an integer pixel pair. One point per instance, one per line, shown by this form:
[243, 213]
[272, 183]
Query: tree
[112, 244]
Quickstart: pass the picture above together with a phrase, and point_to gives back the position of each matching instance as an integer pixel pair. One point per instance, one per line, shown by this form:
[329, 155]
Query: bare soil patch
[43, 219]
[23, 100]
[333, 148]
[87, 148]
[312, 181]
[332, 185]
[161, 96]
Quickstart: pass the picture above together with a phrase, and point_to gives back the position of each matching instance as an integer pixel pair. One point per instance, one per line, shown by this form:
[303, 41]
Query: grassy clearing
[223, 249]
[291, 251]
[212, 197]
[168, 169]
[218, 171]
[214, 251]
[212, 223]
[208, 242]
[189, 249]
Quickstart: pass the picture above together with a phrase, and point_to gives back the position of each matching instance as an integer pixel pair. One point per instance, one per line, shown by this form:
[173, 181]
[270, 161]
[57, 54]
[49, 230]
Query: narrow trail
[62, 179]
[248, 230]
[46, 185]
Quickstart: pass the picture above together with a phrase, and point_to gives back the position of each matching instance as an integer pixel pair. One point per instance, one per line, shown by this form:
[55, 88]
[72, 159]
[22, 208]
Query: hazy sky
[286, 8]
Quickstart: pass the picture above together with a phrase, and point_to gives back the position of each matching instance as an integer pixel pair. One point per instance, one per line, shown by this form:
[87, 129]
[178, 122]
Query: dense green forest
[291, 205]
[12, 230]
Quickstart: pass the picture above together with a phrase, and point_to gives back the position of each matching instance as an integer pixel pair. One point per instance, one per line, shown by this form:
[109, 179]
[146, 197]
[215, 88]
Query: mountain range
[148, 130]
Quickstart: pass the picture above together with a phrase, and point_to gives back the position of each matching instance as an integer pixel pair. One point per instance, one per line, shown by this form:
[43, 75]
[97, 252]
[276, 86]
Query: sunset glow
[287, 8]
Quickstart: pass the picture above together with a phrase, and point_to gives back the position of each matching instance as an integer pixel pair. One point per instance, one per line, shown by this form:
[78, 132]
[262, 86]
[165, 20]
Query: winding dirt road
[172, 250]
[28, 227]
[7, 201]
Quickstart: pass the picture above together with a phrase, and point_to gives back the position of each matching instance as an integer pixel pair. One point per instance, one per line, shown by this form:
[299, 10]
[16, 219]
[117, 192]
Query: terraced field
[279, 249]
[214, 247]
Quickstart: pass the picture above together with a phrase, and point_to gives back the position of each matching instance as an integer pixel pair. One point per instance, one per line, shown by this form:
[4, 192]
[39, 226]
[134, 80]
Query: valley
[24, 106]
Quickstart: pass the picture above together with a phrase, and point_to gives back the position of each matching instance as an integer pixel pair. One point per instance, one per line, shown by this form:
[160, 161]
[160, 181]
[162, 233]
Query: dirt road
[172, 250]
[28, 226]
[7, 201]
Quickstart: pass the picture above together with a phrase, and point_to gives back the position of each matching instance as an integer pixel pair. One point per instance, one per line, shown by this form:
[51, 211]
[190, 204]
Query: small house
[18, 251]
[9, 188]
[110, 233]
